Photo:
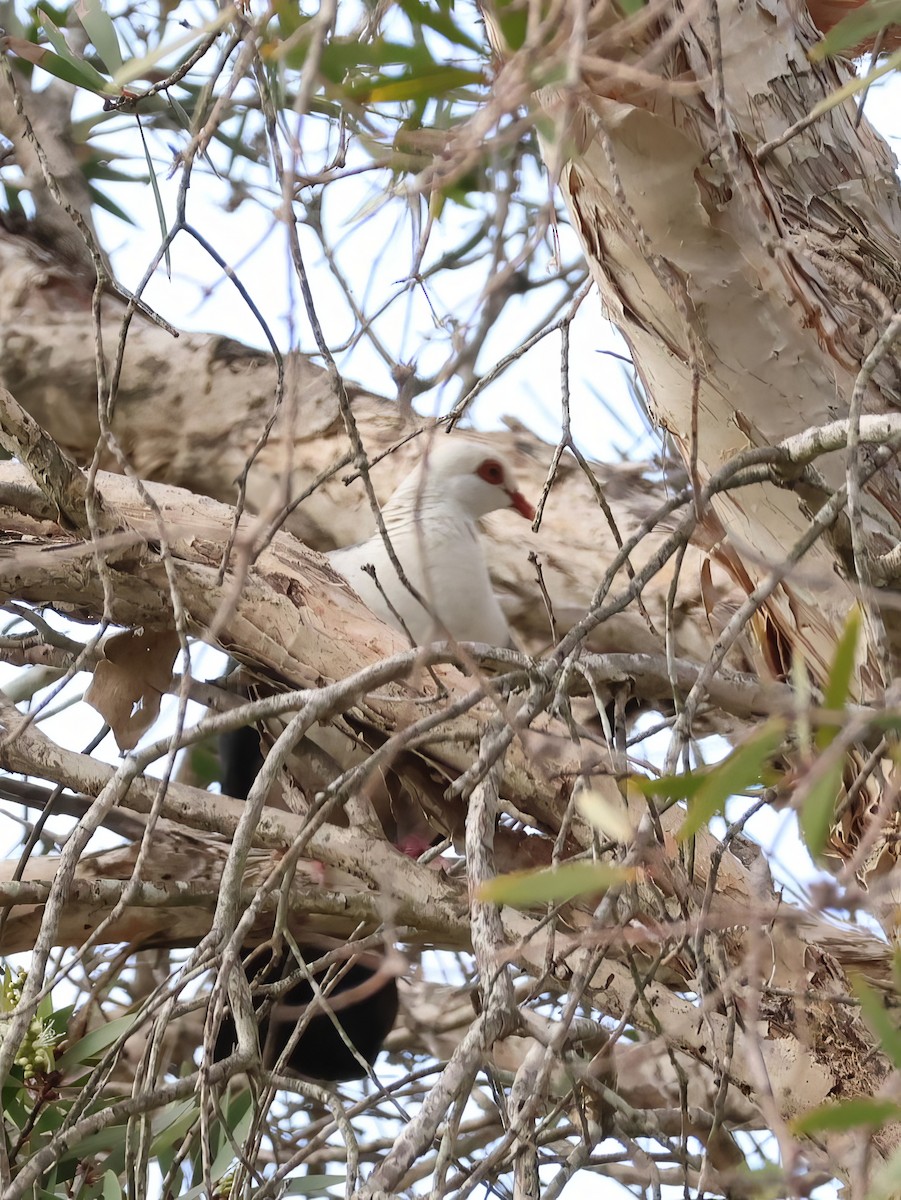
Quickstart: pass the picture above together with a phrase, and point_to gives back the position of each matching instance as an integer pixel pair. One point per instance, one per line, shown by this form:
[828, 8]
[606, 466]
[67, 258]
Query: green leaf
[343, 55]
[50, 1120]
[112, 1189]
[99, 169]
[522, 889]
[672, 787]
[60, 1018]
[172, 1123]
[882, 1023]
[56, 37]
[57, 12]
[93, 1044]
[290, 18]
[858, 25]
[312, 1185]
[15, 1111]
[180, 111]
[164, 1161]
[855, 85]
[15, 206]
[194, 1192]
[513, 20]
[841, 675]
[81, 74]
[108, 1141]
[99, 27]
[847, 1114]
[61, 46]
[44, 1011]
[419, 13]
[158, 199]
[427, 86]
[110, 206]
[238, 1118]
[818, 808]
[800, 682]
[743, 767]
[203, 763]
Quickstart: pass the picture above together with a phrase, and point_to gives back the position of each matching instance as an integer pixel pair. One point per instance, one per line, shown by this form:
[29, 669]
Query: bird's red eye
[491, 471]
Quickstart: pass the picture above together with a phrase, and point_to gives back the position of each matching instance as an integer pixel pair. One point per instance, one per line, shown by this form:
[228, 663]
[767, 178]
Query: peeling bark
[768, 273]
[749, 255]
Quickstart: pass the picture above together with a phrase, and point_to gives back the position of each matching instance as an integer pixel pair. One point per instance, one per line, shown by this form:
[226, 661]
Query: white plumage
[431, 523]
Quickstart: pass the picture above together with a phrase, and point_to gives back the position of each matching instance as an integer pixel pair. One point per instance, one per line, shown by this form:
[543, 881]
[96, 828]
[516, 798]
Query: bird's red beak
[522, 506]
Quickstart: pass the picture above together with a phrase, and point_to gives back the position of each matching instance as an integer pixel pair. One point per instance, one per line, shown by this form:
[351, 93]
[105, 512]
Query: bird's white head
[473, 476]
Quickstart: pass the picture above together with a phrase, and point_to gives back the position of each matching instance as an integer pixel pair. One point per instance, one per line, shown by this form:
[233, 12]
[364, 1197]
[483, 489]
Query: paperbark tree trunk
[751, 272]
[749, 255]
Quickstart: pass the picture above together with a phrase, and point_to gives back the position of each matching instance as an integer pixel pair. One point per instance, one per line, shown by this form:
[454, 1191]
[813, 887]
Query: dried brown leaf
[128, 686]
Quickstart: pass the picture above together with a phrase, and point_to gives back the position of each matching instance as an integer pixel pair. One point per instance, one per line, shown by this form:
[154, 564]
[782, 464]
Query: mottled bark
[189, 412]
[751, 279]
[749, 252]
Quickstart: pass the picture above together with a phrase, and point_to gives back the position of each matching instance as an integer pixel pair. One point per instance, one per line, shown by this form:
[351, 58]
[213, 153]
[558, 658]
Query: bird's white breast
[442, 558]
